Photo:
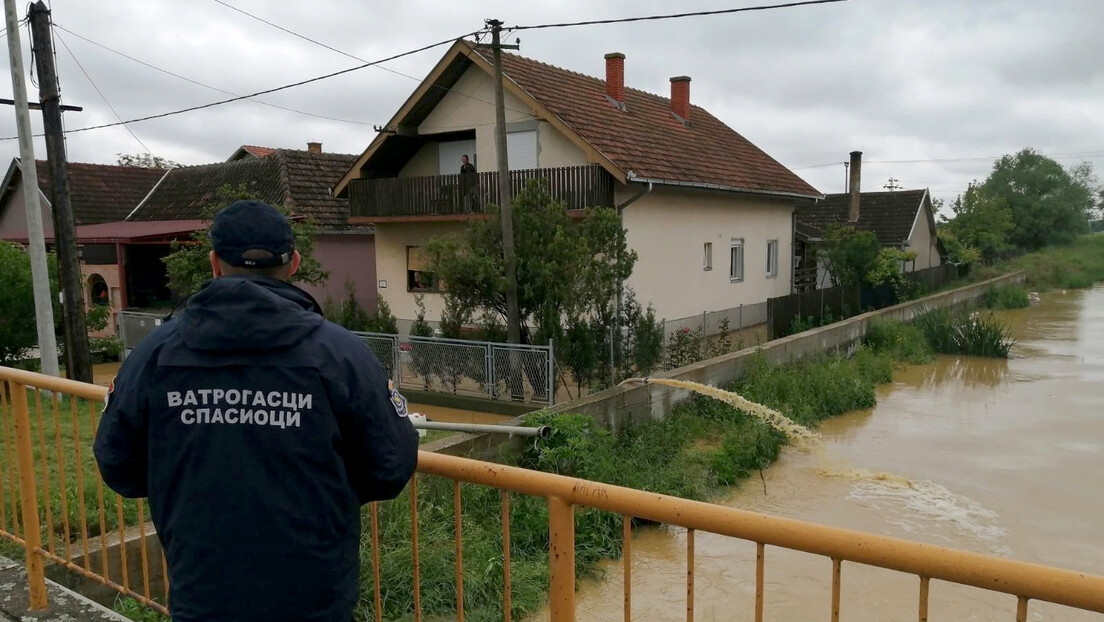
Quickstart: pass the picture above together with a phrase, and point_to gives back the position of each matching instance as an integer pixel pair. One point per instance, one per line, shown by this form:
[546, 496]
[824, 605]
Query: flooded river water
[1008, 457]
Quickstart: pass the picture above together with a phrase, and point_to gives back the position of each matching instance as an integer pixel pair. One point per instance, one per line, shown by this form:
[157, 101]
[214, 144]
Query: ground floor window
[736, 260]
[707, 260]
[772, 258]
[418, 276]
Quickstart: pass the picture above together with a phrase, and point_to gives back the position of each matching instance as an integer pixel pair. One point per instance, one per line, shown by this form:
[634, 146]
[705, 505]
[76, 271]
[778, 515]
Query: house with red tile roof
[709, 214]
[301, 181]
[114, 261]
[901, 219]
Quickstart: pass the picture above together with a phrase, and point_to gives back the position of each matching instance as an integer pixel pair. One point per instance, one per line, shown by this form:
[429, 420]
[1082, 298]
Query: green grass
[1006, 297]
[1074, 266]
[904, 342]
[962, 332]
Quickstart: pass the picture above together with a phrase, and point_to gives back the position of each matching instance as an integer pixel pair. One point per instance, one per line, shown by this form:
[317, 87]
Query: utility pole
[78, 357]
[44, 310]
[513, 318]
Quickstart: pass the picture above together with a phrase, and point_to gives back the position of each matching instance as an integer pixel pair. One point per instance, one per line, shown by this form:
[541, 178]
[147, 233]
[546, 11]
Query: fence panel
[135, 326]
[522, 373]
[839, 301]
[443, 365]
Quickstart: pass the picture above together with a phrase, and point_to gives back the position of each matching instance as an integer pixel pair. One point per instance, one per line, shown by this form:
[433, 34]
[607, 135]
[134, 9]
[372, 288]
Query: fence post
[28, 498]
[561, 560]
[396, 355]
[551, 372]
[741, 317]
[489, 370]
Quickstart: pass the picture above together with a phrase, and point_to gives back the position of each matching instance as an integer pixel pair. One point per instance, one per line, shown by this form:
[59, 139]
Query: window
[418, 277]
[736, 260]
[772, 258]
[98, 291]
[521, 149]
[707, 260]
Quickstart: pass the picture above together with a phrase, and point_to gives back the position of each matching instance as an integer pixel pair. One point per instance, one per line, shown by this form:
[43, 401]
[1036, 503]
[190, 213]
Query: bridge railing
[48, 469]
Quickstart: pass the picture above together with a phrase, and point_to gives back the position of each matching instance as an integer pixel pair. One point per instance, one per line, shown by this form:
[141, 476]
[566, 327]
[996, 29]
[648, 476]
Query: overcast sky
[897, 79]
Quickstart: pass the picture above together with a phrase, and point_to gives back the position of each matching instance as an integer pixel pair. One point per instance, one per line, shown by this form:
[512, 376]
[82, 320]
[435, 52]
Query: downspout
[616, 337]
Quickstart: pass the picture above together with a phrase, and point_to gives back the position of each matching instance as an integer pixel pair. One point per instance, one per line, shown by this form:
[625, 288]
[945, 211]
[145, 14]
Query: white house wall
[922, 242]
[470, 106]
[668, 229]
[391, 241]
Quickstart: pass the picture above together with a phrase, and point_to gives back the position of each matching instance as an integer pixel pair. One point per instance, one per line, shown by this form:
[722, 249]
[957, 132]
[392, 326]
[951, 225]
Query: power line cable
[624, 20]
[265, 91]
[102, 96]
[204, 85]
[973, 160]
[357, 58]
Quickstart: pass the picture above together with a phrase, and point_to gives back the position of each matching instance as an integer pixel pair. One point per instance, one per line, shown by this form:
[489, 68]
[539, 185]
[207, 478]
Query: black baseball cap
[252, 234]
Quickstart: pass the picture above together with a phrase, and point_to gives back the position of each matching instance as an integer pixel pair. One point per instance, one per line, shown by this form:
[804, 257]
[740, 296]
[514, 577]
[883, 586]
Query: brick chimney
[615, 77]
[680, 97]
[856, 193]
[314, 147]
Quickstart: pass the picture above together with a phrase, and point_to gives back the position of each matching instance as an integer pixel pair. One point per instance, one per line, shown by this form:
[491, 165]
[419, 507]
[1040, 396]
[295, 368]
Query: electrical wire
[206, 86]
[265, 91]
[624, 20]
[102, 96]
[973, 160]
[357, 58]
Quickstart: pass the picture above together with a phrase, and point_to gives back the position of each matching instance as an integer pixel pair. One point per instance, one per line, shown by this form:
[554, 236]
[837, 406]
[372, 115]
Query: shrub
[1006, 297]
[901, 341]
[959, 332]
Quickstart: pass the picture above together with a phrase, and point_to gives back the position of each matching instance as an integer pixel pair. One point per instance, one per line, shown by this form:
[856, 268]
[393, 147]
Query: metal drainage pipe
[482, 428]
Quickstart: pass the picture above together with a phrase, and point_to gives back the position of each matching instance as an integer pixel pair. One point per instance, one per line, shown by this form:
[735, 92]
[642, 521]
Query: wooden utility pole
[40, 277]
[513, 317]
[78, 357]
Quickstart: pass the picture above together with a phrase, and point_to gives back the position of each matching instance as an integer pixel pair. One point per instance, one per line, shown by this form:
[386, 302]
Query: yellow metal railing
[23, 508]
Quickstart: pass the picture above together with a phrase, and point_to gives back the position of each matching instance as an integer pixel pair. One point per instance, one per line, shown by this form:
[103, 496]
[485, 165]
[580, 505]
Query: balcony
[459, 195]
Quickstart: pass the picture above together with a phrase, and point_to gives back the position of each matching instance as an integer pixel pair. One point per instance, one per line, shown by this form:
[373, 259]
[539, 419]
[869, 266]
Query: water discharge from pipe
[799, 436]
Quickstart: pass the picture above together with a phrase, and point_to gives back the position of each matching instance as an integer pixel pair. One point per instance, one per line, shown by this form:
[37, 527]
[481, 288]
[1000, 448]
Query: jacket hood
[248, 313]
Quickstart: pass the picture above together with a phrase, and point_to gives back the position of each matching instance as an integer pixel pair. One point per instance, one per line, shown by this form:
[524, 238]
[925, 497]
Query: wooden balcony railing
[577, 186]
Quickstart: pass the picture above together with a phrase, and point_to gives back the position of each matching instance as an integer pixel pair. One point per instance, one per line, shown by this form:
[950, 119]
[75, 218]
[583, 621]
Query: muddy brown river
[1007, 458]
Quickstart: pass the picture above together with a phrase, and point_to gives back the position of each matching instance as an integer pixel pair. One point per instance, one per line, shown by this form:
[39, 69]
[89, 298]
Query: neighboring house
[113, 258]
[901, 219]
[709, 214]
[300, 181]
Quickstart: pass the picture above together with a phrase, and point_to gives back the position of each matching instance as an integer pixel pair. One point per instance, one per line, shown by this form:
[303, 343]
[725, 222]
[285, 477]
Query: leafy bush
[959, 332]
[684, 347]
[382, 321]
[106, 348]
[903, 342]
[1006, 297]
[348, 312]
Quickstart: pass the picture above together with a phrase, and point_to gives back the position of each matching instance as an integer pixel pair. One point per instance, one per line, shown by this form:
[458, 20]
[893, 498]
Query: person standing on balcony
[469, 183]
[257, 429]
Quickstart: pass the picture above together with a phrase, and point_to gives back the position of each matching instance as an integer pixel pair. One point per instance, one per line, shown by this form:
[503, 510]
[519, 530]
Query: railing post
[36, 578]
[561, 560]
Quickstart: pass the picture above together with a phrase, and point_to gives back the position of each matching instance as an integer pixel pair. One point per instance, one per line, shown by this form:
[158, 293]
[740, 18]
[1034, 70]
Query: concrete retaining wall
[627, 405]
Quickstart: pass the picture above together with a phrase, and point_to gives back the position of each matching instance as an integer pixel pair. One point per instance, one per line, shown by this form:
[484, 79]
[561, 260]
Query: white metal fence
[712, 323]
[135, 326]
[522, 373]
[473, 368]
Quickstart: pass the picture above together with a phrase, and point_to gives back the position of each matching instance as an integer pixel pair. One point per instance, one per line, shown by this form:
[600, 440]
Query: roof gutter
[707, 186]
[643, 191]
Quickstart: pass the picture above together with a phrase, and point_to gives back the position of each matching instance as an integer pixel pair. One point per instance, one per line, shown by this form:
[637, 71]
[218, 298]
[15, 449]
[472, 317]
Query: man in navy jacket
[257, 429]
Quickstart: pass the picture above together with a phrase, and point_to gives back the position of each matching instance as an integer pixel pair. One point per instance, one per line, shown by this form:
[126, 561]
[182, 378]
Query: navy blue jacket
[257, 429]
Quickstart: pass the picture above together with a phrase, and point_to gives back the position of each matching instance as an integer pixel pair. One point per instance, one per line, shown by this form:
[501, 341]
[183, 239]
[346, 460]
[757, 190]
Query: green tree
[347, 312]
[958, 253]
[981, 220]
[886, 269]
[18, 333]
[1049, 204]
[565, 269]
[145, 160]
[188, 265]
[850, 253]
